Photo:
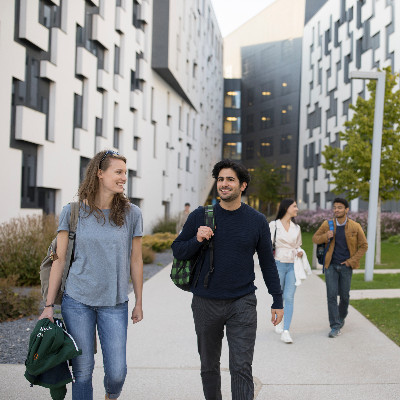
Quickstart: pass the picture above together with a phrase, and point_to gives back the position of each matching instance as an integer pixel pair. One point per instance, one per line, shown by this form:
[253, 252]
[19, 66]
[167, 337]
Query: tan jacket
[355, 239]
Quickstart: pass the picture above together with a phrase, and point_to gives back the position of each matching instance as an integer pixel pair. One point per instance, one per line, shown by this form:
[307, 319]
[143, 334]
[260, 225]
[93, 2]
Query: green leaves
[350, 166]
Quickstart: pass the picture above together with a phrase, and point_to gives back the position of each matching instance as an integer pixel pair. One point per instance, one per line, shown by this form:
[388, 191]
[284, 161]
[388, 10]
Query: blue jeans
[338, 282]
[112, 324]
[288, 280]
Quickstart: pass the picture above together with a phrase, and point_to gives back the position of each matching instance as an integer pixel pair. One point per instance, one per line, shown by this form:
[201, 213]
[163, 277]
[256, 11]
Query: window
[286, 86]
[136, 82]
[131, 175]
[116, 139]
[136, 16]
[266, 147]
[99, 126]
[136, 143]
[188, 159]
[49, 15]
[250, 123]
[250, 97]
[78, 107]
[232, 125]
[267, 90]
[267, 118]
[232, 99]
[116, 59]
[250, 150]
[82, 168]
[233, 150]
[286, 114]
[286, 168]
[285, 144]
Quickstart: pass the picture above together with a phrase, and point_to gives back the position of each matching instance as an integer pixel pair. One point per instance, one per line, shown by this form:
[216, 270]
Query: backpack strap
[73, 222]
[210, 222]
[330, 224]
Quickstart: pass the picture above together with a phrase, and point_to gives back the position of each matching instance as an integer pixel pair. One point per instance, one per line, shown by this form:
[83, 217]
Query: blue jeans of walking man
[338, 282]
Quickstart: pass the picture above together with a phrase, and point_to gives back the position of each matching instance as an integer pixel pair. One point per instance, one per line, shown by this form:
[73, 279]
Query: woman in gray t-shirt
[108, 250]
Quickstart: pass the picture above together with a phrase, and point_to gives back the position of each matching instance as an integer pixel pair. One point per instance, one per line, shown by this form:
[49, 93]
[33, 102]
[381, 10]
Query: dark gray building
[270, 106]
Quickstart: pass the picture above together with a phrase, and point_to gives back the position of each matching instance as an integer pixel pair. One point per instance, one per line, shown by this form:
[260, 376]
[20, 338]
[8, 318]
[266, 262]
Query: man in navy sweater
[228, 300]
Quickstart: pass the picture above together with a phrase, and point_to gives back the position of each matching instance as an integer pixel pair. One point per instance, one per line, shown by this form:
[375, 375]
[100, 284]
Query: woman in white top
[286, 236]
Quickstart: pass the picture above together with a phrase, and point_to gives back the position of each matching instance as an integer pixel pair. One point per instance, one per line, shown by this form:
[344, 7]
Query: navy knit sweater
[237, 236]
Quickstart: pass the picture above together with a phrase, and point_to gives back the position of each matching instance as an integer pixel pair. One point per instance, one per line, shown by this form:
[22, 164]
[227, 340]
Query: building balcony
[99, 30]
[30, 125]
[135, 100]
[29, 27]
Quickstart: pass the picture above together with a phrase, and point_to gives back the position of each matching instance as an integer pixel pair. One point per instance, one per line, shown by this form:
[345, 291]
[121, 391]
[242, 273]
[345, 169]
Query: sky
[233, 13]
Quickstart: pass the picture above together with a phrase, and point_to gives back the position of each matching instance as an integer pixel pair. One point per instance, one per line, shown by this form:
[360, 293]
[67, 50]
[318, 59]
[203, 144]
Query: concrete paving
[374, 294]
[163, 364]
[362, 271]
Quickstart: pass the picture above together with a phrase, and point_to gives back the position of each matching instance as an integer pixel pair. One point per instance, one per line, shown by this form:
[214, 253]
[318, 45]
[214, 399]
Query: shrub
[148, 255]
[394, 239]
[310, 221]
[14, 305]
[23, 245]
[159, 241]
[164, 226]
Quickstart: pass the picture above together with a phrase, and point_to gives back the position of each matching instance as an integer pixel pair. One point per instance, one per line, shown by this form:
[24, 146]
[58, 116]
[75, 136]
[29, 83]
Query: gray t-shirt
[100, 272]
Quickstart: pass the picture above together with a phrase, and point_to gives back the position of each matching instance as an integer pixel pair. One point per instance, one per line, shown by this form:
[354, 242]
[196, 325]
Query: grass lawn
[381, 281]
[384, 313]
[390, 253]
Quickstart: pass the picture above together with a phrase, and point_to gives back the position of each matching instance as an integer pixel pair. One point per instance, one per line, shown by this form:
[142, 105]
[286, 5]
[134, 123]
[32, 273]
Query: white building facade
[340, 37]
[141, 77]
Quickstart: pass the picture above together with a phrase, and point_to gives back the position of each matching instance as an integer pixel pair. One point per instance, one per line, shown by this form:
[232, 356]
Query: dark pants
[240, 318]
[338, 282]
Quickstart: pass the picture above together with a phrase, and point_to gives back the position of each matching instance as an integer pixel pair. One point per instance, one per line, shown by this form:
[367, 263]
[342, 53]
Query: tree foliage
[268, 184]
[350, 166]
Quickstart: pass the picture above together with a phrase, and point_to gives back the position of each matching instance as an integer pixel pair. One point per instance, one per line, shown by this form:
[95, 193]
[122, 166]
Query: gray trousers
[240, 318]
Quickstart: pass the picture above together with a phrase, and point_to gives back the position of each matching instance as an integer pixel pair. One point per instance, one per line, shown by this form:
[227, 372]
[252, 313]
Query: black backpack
[184, 271]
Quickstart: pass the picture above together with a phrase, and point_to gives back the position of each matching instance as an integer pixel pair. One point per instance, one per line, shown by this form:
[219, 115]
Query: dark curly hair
[90, 186]
[342, 201]
[241, 171]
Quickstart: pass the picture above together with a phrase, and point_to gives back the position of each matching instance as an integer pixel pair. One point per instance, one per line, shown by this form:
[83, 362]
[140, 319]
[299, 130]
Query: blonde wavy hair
[90, 186]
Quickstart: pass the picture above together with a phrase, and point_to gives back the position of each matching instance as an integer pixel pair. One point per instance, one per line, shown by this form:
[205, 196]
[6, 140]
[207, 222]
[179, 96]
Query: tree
[268, 185]
[350, 166]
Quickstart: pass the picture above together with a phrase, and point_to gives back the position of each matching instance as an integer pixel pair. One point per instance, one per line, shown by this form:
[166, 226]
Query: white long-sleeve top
[287, 243]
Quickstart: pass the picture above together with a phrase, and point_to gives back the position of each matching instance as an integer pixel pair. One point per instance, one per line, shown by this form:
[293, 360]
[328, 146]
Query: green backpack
[47, 262]
[183, 271]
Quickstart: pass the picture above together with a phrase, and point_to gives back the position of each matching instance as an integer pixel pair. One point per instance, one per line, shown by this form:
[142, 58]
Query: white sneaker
[285, 337]
[279, 328]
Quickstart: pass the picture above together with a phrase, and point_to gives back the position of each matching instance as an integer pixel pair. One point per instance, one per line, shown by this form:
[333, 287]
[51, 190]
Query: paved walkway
[361, 364]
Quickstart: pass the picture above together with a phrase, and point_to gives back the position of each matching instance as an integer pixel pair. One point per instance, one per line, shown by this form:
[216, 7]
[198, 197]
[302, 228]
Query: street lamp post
[375, 164]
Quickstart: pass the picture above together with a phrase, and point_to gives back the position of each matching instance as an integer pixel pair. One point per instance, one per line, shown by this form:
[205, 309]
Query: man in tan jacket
[347, 244]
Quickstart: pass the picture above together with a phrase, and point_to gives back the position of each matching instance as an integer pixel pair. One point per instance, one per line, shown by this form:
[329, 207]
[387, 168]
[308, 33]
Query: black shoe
[334, 332]
[341, 324]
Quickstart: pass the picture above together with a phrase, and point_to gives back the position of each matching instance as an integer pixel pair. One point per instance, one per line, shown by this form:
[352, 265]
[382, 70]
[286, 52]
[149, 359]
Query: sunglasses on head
[108, 152]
